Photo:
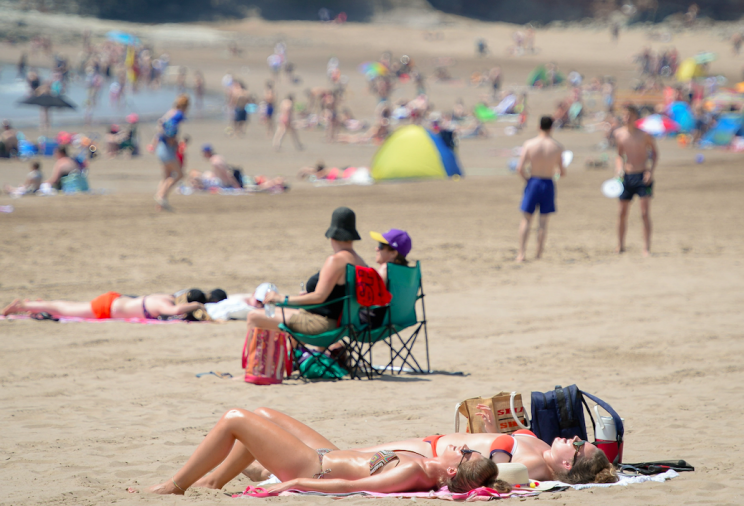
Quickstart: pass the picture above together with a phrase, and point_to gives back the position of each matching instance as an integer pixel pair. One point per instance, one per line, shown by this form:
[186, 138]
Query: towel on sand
[482, 493]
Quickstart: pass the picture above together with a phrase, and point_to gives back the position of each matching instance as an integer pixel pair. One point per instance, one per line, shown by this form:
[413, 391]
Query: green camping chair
[348, 328]
[402, 327]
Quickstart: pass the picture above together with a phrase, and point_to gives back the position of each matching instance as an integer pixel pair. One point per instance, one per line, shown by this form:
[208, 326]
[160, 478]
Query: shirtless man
[220, 169]
[286, 110]
[633, 149]
[238, 100]
[62, 167]
[544, 156]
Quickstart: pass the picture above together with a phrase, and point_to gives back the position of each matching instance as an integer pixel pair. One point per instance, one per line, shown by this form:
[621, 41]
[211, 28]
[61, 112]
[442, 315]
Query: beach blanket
[478, 494]
[75, 319]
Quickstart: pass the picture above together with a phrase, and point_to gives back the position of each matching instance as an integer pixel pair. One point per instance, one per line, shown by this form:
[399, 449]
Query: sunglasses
[465, 452]
[577, 446]
[382, 245]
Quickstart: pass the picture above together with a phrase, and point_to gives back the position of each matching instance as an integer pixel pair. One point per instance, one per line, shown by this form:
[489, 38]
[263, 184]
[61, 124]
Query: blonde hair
[182, 102]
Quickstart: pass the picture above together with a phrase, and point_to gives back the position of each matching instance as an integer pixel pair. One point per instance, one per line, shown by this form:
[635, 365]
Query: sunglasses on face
[382, 246]
[465, 452]
[577, 446]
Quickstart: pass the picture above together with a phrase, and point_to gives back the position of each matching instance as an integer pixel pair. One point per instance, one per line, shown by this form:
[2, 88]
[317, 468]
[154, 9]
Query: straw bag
[508, 412]
[266, 357]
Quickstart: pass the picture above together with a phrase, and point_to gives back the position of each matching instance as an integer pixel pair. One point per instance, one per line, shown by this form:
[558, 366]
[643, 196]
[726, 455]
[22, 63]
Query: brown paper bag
[508, 412]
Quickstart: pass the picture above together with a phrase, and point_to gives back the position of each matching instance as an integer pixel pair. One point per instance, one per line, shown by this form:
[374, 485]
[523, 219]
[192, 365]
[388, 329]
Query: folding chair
[349, 324]
[402, 326]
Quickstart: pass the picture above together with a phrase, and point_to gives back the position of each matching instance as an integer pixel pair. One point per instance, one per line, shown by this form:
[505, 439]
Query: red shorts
[101, 305]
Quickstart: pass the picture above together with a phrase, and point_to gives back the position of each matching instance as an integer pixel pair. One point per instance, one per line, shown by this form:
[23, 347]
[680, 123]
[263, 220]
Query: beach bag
[266, 357]
[74, 182]
[508, 411]
[560, 414]
[317, 365]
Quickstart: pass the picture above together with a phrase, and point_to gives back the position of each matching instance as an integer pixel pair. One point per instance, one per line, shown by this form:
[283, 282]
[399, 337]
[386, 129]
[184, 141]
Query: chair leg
[405, 352]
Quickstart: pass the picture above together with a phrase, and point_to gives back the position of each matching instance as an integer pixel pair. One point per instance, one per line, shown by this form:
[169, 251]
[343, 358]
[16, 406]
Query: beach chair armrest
[311, 306]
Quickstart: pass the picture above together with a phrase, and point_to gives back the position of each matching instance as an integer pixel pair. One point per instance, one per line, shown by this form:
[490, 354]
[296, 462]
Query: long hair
[477, 473]
[596, 469]
[400, 260]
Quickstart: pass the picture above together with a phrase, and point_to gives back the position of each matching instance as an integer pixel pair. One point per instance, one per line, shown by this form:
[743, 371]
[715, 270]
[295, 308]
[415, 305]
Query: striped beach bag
[266, 357]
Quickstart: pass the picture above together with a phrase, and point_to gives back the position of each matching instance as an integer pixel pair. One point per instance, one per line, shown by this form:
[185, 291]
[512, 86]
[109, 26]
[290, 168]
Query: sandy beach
[89, 409]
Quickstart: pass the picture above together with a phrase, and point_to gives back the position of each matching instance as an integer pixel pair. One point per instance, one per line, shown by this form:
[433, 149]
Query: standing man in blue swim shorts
[543, 153]
[634, 148]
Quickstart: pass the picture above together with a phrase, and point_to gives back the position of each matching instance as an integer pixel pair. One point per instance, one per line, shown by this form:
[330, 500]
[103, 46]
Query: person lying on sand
[108, 305]
[238, 305]
[312, 463]
[567, 460]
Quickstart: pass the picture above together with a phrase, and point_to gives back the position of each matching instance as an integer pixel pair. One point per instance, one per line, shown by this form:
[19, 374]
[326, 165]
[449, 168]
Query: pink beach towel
[478, 494]
[72, 319]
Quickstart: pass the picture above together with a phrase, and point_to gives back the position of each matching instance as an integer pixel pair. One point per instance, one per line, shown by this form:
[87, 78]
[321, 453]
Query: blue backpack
[560, 414]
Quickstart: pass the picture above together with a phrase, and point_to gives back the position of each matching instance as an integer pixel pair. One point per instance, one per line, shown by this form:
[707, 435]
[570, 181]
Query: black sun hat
[343, 225]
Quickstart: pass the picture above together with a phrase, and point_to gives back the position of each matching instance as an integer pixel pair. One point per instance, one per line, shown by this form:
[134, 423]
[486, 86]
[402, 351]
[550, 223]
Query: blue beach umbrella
[124, 38]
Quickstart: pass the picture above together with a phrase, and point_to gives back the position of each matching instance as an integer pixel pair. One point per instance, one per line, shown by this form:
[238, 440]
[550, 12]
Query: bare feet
[14, 307]
[520, 258]
[162, 489]
[163, 204]
[619, 250]
[646, 253]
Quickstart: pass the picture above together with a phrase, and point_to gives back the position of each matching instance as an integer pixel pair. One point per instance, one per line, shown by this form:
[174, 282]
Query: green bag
[316, 365]
[74, 182]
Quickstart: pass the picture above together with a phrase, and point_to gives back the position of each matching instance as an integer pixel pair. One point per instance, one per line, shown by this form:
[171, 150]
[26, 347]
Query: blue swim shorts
[538, 193]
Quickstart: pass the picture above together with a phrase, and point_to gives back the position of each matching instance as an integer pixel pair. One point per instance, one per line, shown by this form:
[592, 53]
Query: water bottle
[269, 310]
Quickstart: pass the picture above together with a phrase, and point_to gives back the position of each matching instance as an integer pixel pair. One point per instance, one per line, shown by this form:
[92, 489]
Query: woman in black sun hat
[328, 284]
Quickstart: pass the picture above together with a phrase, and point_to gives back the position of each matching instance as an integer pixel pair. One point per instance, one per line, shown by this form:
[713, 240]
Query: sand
[91, 409]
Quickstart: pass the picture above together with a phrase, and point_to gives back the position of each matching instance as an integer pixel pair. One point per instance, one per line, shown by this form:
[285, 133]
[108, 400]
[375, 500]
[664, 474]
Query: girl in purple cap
[393, 247]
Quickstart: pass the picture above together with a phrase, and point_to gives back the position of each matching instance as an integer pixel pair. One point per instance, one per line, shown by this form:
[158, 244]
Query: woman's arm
[333, 268]
[404, 478]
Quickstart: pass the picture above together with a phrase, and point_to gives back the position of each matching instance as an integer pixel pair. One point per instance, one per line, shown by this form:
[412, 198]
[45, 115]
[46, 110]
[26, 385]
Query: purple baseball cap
[399, 240]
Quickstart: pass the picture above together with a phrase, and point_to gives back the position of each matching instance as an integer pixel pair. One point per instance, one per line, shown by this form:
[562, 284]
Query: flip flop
[258, 492]
[44, 316]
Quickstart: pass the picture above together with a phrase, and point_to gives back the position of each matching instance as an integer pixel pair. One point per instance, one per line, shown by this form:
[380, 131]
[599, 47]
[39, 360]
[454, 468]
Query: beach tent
[412, 152]
[689, 69]
[725, 130]
[681, 113]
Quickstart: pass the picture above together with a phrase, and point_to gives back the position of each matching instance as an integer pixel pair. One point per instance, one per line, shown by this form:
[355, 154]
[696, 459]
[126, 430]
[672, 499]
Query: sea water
[148, 103]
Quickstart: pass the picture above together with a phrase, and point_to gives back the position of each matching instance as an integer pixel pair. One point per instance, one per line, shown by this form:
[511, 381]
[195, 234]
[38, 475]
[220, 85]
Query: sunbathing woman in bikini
[312, 463]
[567, 460]
[108, 305]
